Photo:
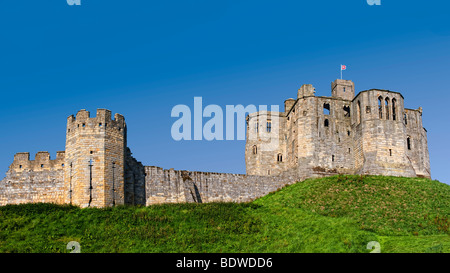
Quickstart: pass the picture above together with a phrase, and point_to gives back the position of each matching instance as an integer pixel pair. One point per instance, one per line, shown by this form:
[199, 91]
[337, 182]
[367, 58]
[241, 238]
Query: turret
[306, 90]
[344, 89]
[94, 159]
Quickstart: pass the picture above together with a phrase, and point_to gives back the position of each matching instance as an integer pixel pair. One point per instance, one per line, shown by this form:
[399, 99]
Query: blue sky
[141, 58]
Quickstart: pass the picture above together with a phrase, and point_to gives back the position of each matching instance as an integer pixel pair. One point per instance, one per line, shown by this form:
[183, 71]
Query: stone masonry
[370, 133]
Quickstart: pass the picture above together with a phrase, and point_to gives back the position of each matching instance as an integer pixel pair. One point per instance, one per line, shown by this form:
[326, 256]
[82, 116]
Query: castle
[370, 133]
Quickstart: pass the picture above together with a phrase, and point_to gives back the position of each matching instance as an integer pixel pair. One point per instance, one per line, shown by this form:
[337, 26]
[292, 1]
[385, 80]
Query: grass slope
[333, 214]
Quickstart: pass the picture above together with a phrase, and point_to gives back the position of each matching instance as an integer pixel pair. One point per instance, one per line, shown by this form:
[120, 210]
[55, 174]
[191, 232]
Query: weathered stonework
[370, 133]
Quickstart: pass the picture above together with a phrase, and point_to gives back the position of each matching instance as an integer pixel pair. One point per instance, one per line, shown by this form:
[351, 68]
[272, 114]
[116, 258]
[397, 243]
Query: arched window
[279, 158]
[386, 102]
[255, 150]
[326, 108]
[380, 107]
[326, 123]
[408, 143]
[358, 115]
[394, 109]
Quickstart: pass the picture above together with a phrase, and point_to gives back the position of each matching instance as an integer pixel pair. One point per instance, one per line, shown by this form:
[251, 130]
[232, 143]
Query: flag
[343, 67]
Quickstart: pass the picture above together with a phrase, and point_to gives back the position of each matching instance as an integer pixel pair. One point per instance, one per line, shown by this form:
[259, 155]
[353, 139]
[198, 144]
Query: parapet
[103, 120]
[41, 162]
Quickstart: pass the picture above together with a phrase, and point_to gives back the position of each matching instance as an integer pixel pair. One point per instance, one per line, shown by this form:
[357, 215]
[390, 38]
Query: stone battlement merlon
[41, 162]
[103, 118]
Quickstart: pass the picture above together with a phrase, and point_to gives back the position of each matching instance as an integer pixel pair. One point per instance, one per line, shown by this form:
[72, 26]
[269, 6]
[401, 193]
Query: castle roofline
[321, 97]
[265, 113]
[376, 89]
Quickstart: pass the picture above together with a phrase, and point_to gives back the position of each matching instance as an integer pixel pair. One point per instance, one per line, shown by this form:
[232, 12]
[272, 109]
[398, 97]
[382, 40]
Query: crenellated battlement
[41, 162]
[102, 121]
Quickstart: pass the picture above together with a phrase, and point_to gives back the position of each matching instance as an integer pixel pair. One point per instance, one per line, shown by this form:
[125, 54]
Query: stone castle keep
[370, 133]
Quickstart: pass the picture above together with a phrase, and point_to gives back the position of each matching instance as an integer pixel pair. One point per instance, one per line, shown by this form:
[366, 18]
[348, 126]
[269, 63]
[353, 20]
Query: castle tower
[265, 148]
[380, 137]
[94, 159]
[343, 89]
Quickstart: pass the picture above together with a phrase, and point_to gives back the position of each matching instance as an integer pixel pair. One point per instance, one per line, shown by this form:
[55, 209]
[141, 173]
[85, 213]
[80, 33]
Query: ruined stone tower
[94, 159]
[370, 133]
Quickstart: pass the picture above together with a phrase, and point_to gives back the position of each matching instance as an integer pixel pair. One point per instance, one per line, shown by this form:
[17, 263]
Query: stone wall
[172, 186]
[34, 181]
[134, 180]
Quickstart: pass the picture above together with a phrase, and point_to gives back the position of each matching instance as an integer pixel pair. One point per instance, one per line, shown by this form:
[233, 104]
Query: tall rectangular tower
[343, 89]
[94, 162]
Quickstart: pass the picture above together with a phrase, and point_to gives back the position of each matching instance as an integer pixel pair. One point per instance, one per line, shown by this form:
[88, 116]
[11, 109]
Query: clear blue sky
[141, 58]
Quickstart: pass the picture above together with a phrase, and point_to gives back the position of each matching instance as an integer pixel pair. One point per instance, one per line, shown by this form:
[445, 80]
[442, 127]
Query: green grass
[333, 214]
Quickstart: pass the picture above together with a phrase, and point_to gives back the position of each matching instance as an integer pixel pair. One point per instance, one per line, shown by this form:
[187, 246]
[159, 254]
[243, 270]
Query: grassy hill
[333, 214]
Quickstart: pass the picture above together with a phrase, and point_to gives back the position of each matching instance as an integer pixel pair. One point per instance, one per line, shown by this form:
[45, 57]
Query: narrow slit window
[386, 107]
[358, 116]
[269, 126]
[326, 123]
[394, 109]
[408, 143]
[255, 150]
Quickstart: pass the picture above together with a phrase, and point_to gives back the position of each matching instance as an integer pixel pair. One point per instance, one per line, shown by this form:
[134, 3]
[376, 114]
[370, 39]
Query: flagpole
[341, 71]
